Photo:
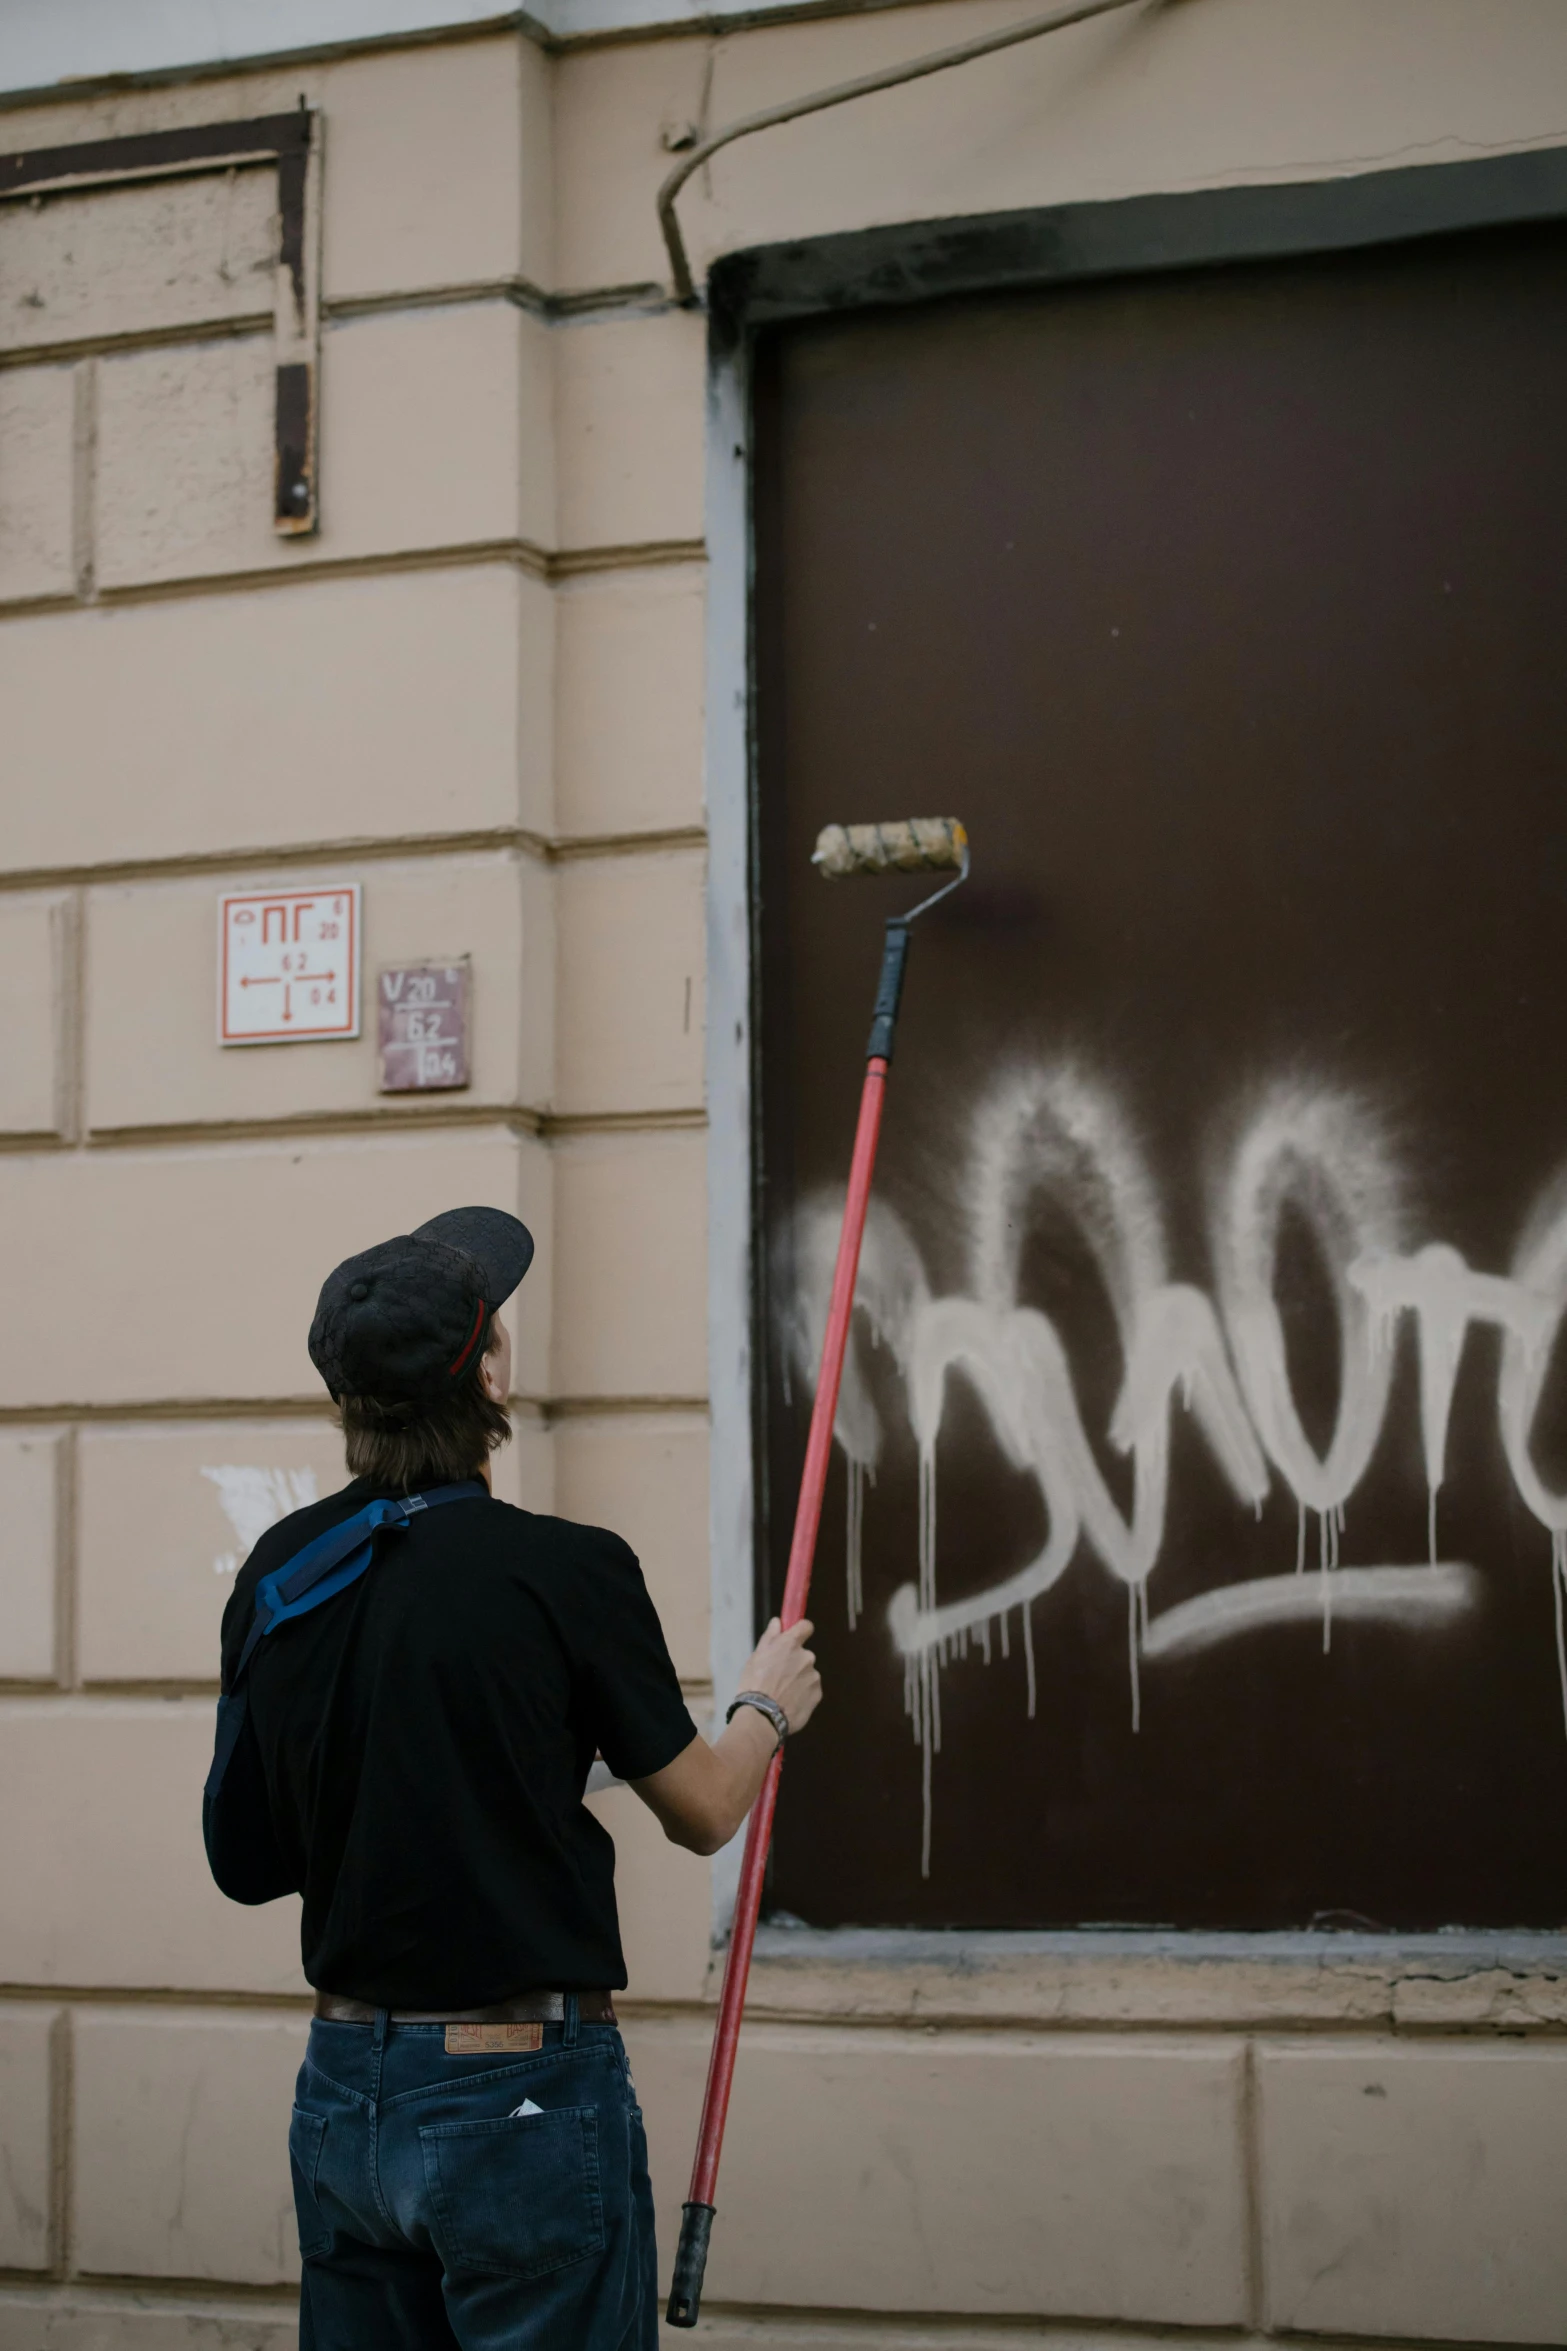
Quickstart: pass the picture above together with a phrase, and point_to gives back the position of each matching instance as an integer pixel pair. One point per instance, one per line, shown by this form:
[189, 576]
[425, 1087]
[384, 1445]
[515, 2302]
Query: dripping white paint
[1060, 1132]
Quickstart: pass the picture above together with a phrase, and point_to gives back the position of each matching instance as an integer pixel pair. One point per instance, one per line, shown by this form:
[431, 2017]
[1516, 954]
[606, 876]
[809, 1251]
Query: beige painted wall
[479, 692]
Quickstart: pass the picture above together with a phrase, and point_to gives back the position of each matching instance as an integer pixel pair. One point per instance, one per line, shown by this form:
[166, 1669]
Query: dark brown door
[1207, 1420]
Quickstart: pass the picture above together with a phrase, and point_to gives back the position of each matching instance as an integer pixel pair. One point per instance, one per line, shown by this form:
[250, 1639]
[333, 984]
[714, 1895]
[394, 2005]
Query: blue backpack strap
[337, 1559]
[317, 1573]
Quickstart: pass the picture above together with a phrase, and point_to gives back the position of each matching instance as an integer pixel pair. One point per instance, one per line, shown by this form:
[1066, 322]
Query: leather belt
[527, 2008]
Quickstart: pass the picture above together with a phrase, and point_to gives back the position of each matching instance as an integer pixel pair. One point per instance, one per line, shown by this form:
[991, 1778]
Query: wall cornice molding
[77, 48]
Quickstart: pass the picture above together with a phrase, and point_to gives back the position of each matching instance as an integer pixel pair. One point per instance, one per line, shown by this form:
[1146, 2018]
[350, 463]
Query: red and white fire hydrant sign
[422, 1024]
[288, 965]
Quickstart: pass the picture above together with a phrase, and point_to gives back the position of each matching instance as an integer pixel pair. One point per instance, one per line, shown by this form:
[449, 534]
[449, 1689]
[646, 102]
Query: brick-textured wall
[192, 704]
[479, 691]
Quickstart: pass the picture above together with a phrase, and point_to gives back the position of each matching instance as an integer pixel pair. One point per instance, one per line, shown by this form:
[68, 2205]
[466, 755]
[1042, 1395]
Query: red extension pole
[686, 2289]
[797, 1585]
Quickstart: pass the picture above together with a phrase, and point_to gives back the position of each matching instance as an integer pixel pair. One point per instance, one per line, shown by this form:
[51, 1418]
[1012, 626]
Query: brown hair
[406, 1446]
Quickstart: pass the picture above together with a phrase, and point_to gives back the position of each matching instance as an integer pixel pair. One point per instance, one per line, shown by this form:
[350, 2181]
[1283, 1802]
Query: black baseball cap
[406, 1319]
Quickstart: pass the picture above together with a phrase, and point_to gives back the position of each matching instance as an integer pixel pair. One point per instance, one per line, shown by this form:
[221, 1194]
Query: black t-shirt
[426, 1736]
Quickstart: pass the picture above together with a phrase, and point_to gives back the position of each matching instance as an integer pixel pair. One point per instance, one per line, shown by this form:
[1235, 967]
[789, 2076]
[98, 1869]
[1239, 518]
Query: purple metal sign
[422, 1024]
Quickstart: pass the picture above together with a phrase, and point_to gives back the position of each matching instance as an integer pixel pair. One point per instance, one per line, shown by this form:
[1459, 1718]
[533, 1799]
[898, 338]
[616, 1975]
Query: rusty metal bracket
[291, 141]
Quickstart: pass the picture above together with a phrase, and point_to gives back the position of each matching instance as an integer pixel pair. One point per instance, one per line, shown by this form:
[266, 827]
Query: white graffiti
[254, 1499]
[1324, 1154]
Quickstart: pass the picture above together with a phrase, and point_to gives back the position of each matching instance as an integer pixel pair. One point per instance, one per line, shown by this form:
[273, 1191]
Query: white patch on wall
[1323, 1153]
[254, 1499]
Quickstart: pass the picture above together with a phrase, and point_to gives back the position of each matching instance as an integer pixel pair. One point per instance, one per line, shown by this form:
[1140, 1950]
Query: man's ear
[490, 1378]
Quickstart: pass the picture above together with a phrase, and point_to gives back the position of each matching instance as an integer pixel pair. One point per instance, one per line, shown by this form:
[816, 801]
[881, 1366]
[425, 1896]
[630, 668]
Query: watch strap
[763, 1705]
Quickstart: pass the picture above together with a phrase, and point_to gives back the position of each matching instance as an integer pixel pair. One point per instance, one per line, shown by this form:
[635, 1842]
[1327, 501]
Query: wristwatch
[764, 1705]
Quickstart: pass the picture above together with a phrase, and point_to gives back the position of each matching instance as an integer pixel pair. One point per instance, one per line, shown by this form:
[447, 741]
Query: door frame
[911, 262]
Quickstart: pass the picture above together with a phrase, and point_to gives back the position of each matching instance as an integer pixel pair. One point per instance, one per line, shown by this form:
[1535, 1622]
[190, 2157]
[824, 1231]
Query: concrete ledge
[1460, 1981]
[69, 2318]
[721, 2330]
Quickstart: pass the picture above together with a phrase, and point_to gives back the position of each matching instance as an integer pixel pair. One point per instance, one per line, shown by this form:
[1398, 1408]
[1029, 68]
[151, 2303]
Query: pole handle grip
[889, 991]
[685, 2285]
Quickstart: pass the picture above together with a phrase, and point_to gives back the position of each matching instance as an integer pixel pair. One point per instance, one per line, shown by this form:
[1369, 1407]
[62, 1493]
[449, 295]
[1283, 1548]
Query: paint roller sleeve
[917, 844]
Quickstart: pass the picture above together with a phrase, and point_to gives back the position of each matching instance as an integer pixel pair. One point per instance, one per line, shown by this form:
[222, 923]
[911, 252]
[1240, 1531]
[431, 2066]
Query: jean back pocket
[517, 2196]
[305, 2134]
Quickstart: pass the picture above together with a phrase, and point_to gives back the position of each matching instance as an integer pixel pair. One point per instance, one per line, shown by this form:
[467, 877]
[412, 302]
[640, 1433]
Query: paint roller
[915, 845]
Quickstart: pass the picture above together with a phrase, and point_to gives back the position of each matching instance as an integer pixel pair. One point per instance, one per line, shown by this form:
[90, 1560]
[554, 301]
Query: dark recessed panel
[1221, 1226]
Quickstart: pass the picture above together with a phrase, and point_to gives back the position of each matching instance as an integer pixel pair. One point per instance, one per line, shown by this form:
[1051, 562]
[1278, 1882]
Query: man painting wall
[468, 2156]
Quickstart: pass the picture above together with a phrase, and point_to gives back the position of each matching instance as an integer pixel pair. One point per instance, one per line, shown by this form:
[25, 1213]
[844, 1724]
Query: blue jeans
[432, 2214]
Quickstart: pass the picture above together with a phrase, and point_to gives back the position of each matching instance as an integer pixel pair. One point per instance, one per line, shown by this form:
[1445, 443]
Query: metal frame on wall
[293, 143]
[748, 292]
